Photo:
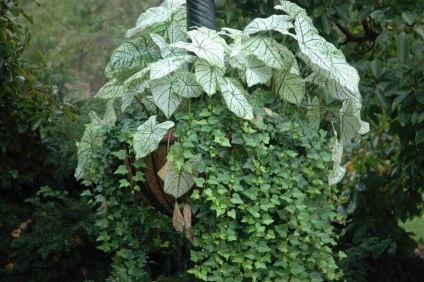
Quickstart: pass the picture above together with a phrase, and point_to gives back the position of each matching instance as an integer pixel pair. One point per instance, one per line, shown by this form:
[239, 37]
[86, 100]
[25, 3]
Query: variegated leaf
[235, 97]
[178, 182]
[149, 135]
[163, 92]
[256, 71]
[132, 54]
[290, 87]
[207, 74]
[187, 86]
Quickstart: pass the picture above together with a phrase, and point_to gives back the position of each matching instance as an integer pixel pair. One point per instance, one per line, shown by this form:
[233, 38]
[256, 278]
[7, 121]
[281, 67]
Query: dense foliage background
[44, 85]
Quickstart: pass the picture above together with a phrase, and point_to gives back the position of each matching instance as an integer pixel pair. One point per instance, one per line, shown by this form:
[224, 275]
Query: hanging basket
[151, 189]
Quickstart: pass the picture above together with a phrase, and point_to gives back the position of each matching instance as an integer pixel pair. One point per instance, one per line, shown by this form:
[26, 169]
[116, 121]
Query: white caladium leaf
[175, 33]
[109, 117]
[111, 89]
[91, 142]
[149, 104]
[313, 113]
[134, 53]
[338, 171]
[165, 50]
[333, 87]
[204, 47]
[166, 66]
[290, 87]
[256, 71]
[163, 67]
[187, 86]
[156, 15]
[138, 80]
[291, 9]
[149, 135]
[178, 182]
[289, 59]
[235, 97]
[351, 123]
[264, 50]
[207, 74]
[280, 23]
[163, 92]
[127, 99]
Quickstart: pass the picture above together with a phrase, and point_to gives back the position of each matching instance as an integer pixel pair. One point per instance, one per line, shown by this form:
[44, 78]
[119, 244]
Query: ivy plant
[244, 109]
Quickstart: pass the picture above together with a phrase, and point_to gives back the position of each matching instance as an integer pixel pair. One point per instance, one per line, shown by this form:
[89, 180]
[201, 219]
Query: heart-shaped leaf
[207, 74]
[178, 182]
[163, 92]
[149, 135]
[256, 71]
[235, 97]
[290, 87]
[111, 89]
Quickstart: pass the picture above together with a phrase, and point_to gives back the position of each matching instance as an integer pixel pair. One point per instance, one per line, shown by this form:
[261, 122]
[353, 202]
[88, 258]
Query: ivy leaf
[280, 23]
[156, 15]
[207, 74]
[264, 50]
[256, 71]
[149, 135]
[164, 94]
[111, 89]
[204, 47]
[135, 53]
[187, 86]
[290, 87]
[235, 97]
[178, 182]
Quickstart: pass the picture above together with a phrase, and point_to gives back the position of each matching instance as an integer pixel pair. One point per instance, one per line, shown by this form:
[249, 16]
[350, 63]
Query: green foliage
[57, 235]
[245, 105]
[263, 206]
[25, 104]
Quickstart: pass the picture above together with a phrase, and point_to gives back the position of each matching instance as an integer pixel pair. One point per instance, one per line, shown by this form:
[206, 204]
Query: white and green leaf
[290, 87]
[166, 66]
[234, 96]
[256, 71]
[156, 16]
[264, 49]
[351, 123]
[149, 135]
[204, 47]
[163, 92]
[111, 89]
[187, 86]
[134, 53]
[138, 81]
[178, 182]
[280, 23]
[207, 74]
[338, 171]
[91, 143]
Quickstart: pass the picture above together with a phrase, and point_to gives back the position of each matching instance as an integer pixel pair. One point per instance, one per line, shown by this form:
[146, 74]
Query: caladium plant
[162, 70]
